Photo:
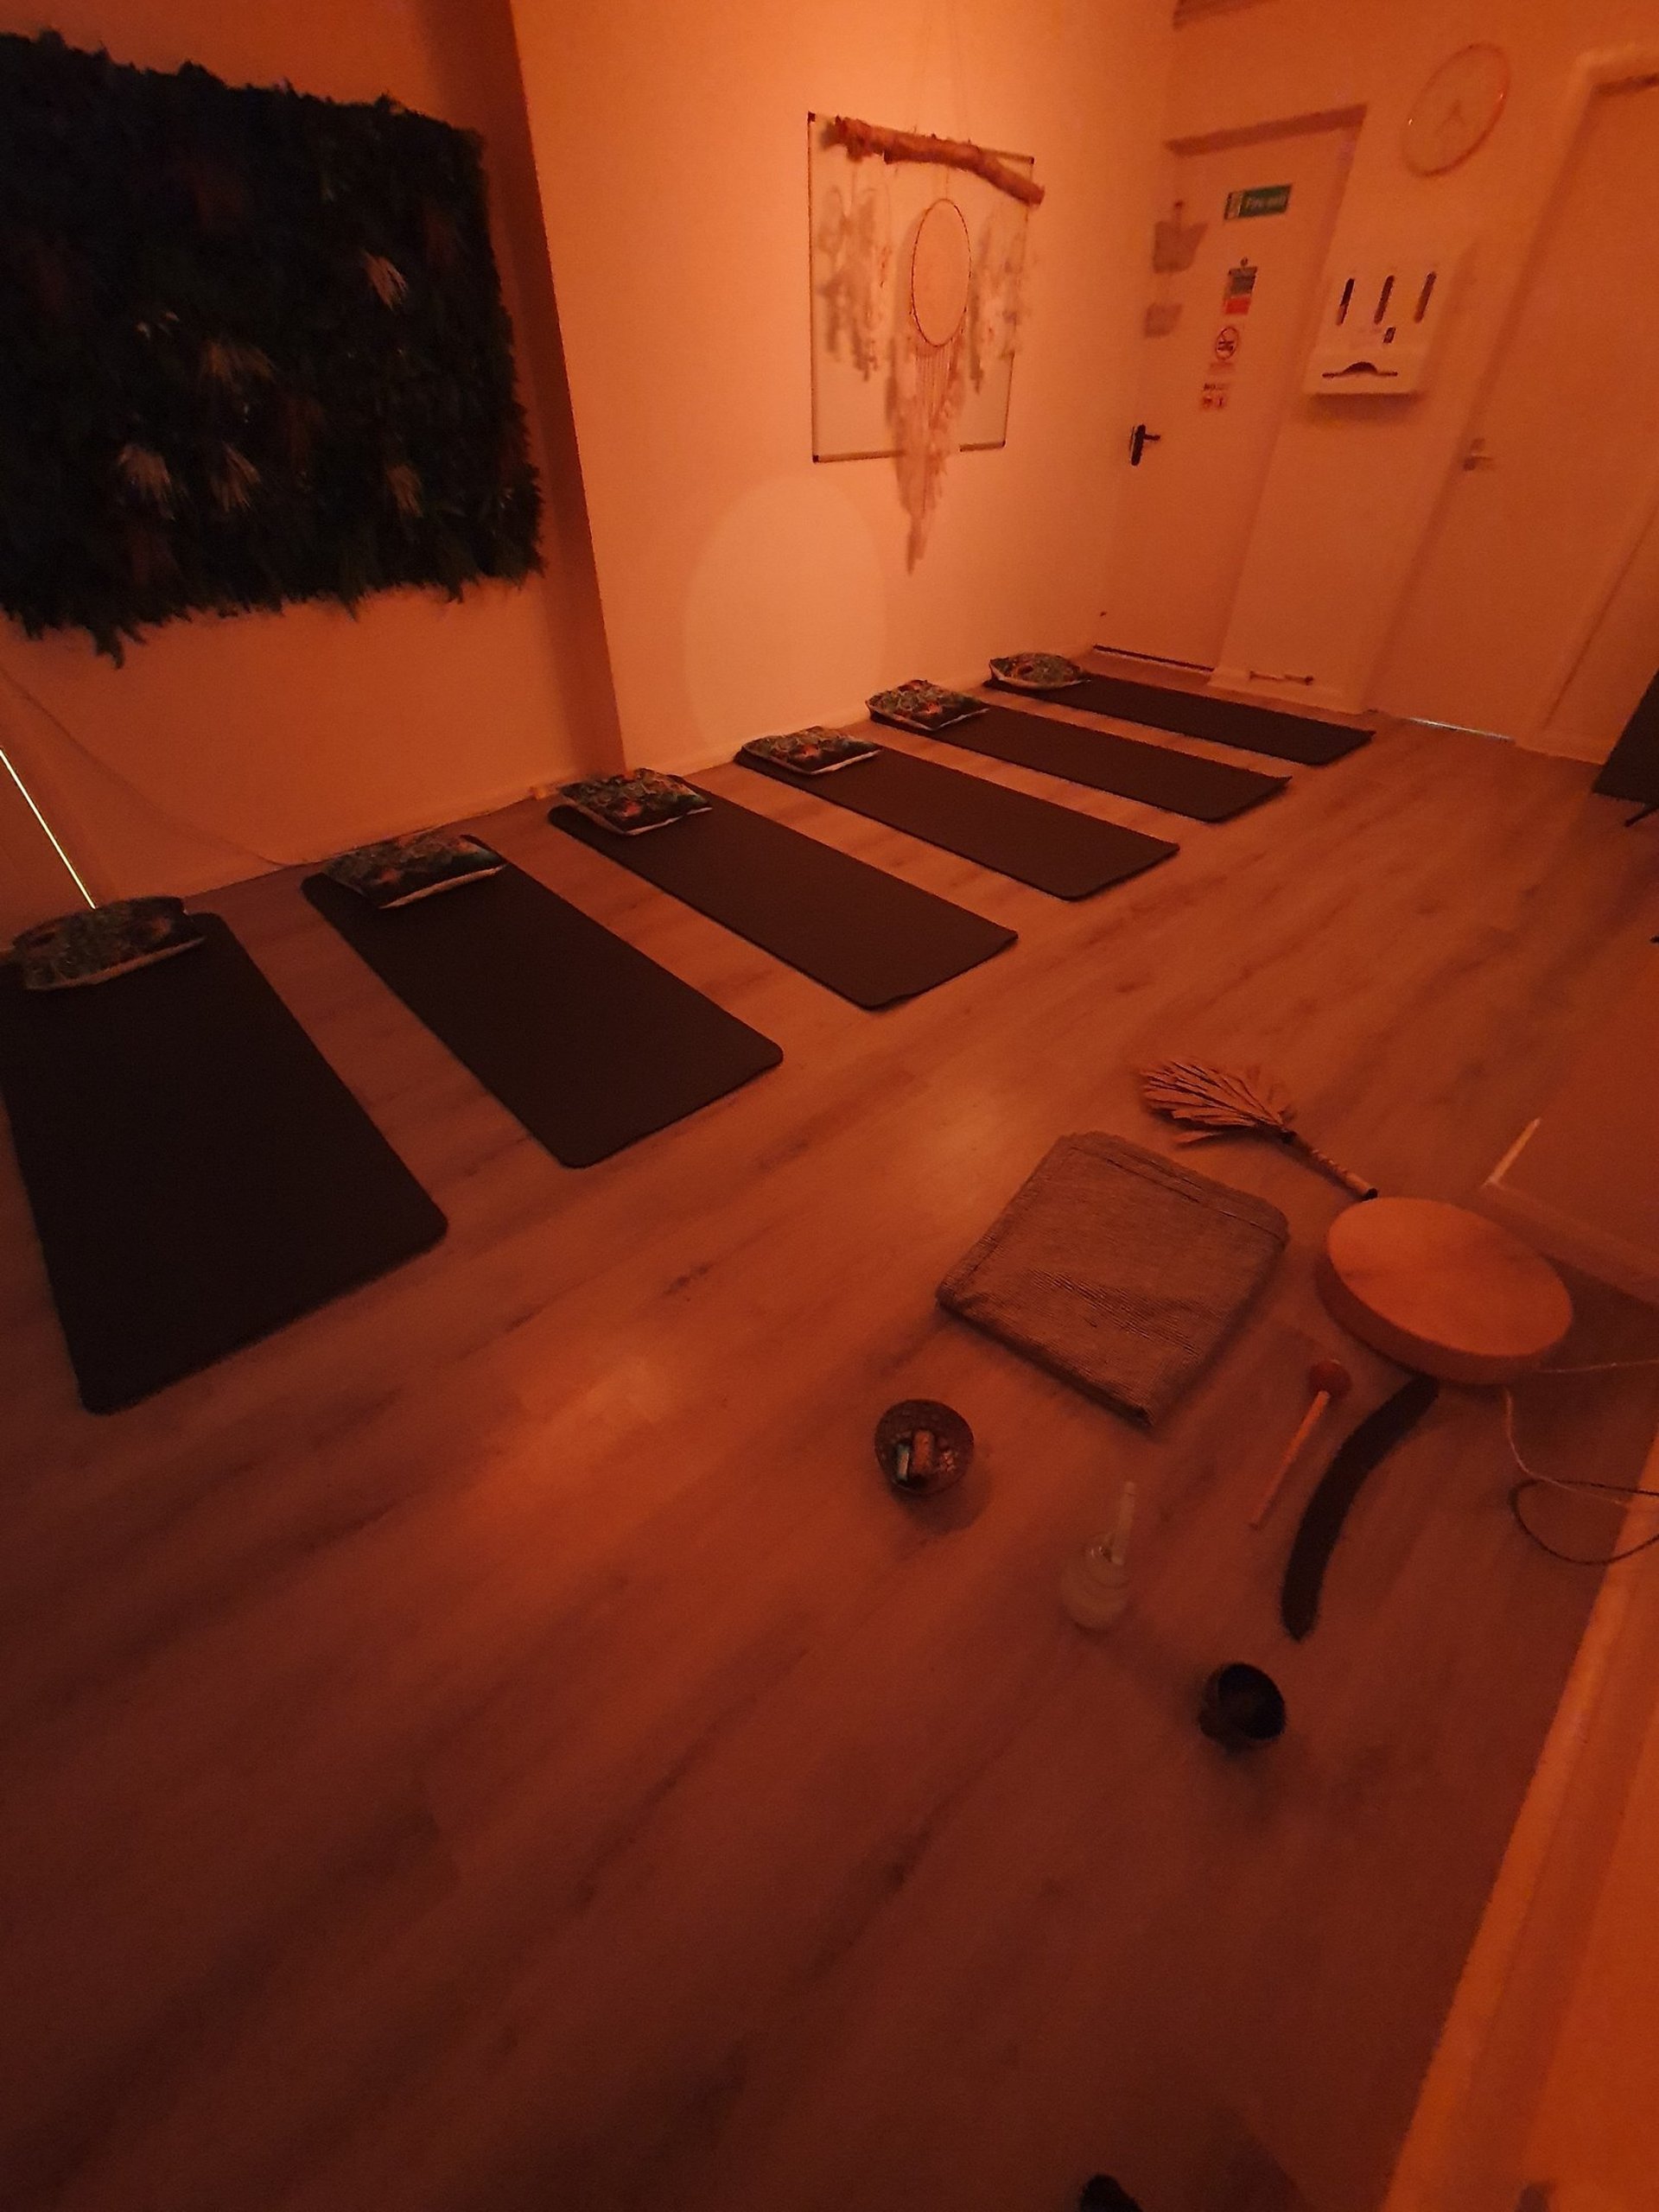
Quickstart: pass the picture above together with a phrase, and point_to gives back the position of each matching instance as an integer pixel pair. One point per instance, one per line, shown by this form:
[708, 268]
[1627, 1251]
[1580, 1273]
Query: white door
[1541, 534]
[1222, 355]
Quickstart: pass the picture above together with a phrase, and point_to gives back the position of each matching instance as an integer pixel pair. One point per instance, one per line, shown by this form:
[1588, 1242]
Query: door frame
[1534, 732]
[1601, 69]
[1303, 125]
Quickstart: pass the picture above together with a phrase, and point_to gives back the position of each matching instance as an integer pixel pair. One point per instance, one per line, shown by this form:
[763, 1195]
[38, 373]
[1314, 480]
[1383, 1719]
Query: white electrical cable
[1583, 1486]
[170, 815]
[52, 834]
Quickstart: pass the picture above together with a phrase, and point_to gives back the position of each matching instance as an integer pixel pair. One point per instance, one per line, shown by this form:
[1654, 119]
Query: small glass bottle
[1095, 1588]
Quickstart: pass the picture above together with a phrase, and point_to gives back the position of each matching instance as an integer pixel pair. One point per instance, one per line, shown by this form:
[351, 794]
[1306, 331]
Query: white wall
[1352, 489]
[744, 589]
[34, 882]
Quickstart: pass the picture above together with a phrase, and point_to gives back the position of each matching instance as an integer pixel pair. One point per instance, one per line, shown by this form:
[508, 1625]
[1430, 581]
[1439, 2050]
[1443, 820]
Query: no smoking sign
[1227, 344]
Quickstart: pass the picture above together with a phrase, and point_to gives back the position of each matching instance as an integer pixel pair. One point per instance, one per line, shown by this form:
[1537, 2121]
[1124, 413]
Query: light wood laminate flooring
[498, 1745]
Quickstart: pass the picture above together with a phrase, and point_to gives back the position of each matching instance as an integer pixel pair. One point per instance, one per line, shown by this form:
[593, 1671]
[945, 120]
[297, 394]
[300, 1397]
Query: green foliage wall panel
[252, 349]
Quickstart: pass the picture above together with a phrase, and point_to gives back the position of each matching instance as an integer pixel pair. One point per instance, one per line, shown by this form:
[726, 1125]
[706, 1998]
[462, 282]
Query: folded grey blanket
[1118, 1271]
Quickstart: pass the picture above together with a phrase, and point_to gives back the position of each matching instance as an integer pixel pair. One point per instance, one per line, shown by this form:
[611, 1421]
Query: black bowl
[1242, 1709]
[954, 1441]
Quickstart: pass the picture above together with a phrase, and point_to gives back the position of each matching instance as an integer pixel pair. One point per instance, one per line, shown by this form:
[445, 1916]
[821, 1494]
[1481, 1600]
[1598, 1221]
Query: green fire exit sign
[1259, 200]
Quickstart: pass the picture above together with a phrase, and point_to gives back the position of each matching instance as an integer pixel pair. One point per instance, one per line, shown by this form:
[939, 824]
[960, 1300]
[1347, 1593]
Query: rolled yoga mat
[1272, 730]
[1054, 848]
[199, 1174]
[1180, 783]
[590, 1044]
[853, 928]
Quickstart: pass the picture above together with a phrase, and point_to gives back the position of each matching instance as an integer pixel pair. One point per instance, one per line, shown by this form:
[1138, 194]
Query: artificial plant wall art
[918, 262]
[255, 350]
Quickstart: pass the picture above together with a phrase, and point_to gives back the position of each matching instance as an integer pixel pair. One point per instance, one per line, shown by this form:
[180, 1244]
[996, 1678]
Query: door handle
[1140, 438]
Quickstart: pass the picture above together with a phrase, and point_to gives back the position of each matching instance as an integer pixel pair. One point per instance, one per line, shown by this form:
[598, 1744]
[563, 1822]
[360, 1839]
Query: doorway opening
[1533, 611]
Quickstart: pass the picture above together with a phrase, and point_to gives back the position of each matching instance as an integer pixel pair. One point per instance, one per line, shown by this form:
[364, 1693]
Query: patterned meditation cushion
[641, 800]
[1037, 672]
[922, 706]
[813, 752]
[397, 871]
[104, 942]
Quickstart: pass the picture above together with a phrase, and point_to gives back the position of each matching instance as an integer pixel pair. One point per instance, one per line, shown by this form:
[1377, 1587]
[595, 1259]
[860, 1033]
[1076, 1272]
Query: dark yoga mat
[589, 1043]
[1052, 848]
[851, 927]
[199, 1173]
[1272, 730]
[1208, 790]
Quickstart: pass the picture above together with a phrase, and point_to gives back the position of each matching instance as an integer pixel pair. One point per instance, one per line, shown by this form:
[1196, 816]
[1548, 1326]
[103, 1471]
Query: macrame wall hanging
[853, 246]
[255, 350]
[928, 365]
[918, 275]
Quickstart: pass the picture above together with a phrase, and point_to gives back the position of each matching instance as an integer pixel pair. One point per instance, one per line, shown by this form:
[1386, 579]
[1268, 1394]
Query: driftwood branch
[862, 138]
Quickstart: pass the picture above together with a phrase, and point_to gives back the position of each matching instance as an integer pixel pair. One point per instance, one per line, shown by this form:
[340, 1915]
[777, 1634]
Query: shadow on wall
[810, 655]
[481, 56]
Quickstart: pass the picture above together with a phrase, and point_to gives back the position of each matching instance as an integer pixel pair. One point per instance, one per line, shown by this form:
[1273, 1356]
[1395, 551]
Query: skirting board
[1285, 691]
[1467, 2148]
[1563, 745]
[1587, 1245]
[1578, 1182]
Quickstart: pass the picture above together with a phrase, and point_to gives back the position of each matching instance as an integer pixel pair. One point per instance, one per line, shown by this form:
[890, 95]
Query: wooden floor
[498, 1745]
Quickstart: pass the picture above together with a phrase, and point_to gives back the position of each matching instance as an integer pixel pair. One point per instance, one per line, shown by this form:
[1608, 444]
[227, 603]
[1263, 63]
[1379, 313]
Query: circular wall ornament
[941, 264]
[1458, 109]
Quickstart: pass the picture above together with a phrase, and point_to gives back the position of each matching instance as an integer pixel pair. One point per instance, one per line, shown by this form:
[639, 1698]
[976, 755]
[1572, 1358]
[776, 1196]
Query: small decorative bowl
[1244, 1709]
[953, 1446]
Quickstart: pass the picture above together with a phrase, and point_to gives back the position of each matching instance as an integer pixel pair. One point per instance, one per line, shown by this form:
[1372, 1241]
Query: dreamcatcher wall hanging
[929, 361]
[918, 262]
